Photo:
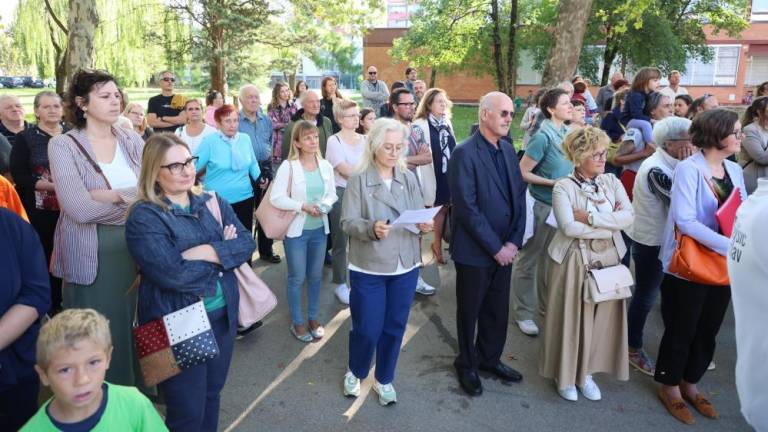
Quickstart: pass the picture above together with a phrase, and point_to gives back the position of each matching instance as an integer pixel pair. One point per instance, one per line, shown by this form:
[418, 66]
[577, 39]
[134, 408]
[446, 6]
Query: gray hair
[306, 93]
[161, 73]
[375, 140]
[567, 86]
[486, 103]
[670, 128]
[243, 88]
[45, 93]
[6, 97]
[654, 100]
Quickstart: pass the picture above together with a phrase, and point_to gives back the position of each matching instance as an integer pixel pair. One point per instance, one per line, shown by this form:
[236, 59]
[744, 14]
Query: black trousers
[692, 315]
[482, 299]
[18, 403]
[244, 212]
[263, 242]
[44, 223]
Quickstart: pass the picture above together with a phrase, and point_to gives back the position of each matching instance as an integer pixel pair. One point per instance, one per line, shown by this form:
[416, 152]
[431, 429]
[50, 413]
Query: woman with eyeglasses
[185, 255]
[384, 259]
[651, 206]
[230, 164]
[582, 338]
[432, 127]
[195, 130]
[135, 113]
[693, 312]
[541, 166]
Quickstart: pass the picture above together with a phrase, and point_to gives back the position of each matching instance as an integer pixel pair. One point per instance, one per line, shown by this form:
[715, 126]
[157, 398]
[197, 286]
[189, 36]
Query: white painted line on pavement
[308, 352]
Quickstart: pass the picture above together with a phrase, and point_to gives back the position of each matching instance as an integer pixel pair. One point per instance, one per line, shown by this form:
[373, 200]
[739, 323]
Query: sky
[7, 9]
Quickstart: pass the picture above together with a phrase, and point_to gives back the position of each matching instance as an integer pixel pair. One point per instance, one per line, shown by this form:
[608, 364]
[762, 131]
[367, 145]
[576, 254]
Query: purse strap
[90, 160]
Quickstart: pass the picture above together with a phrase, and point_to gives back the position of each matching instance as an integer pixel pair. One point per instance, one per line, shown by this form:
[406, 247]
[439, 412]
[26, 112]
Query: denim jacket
[156, 238]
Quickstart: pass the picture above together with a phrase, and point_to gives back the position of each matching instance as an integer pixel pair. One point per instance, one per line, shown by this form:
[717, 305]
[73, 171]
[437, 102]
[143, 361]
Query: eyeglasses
[168, 79]
[176, 168]
[505, 113]
[597, 157]
[372, 73]
[739, 134]
[406, 103]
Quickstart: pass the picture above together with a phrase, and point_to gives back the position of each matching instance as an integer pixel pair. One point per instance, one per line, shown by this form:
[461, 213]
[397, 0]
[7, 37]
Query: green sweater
[127, 410]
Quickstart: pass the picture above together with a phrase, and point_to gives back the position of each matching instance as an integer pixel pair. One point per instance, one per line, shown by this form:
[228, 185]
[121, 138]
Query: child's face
[653, 84]
[75, 374]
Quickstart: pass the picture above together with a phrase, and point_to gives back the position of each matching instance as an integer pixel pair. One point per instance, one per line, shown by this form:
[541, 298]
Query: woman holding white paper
[384, 259]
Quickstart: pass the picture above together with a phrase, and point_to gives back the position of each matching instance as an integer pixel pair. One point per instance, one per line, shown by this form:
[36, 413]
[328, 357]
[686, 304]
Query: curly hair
[83, 83]
[581, 143]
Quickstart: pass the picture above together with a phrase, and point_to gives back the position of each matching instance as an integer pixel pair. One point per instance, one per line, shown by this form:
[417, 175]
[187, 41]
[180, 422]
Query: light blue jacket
[693, 205]
[216, 156]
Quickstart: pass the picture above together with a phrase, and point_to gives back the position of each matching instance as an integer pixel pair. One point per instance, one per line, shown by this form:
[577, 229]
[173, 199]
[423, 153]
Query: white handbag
[605, 284]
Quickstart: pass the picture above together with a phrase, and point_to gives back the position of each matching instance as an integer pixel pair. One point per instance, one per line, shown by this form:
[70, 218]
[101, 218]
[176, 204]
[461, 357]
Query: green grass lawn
[464, 116]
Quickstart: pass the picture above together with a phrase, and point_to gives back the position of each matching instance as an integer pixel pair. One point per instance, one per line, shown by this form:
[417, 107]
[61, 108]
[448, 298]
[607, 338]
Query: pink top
[209, 120]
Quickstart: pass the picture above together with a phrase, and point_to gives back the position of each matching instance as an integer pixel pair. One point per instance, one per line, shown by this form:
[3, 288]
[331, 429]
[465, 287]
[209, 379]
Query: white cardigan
[280, 199]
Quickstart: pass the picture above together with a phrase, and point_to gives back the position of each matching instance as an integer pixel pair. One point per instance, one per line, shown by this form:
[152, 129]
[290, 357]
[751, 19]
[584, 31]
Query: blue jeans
[646, 128]
[648, 276]
[379, 306]
[304, 255]
[193, 396]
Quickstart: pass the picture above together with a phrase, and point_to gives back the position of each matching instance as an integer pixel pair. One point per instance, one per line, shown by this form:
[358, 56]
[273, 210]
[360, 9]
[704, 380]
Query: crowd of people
[118, 217]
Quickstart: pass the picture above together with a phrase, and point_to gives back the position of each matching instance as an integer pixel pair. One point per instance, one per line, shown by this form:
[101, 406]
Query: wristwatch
[591, 219]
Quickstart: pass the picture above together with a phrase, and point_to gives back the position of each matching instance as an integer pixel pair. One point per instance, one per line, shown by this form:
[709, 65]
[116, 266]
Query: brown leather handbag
[698, 263]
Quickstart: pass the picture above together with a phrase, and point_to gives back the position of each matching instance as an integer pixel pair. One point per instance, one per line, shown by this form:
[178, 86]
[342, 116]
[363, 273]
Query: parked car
[12, 82]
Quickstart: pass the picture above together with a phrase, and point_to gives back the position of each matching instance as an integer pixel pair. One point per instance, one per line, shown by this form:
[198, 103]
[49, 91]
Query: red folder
[726, 214]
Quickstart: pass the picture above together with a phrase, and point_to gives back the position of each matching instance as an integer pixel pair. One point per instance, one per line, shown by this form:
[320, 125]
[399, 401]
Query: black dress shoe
[273, 259]
[504, 372]
[470, 382]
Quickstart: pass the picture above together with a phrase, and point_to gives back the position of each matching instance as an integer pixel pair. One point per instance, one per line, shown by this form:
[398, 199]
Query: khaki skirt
[581, 338]
[109, 295]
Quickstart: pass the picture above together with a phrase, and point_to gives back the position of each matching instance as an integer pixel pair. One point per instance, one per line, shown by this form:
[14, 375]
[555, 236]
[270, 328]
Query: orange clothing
[10, 199]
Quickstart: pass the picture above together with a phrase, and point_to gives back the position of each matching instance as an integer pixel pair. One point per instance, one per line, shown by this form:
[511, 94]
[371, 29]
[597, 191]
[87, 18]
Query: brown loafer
[676, 407]
[702, 405]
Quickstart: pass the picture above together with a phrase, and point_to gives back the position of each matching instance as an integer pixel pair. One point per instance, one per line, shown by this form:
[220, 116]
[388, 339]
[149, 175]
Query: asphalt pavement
[277, 383]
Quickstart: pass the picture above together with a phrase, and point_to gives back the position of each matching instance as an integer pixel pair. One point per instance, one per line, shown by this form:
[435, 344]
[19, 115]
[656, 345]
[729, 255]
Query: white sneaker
[351, 385]
[342, 293]
[712, 365]
[590, 390]
[386, 393]
[569, 393]
[528, 327]
[424, 288]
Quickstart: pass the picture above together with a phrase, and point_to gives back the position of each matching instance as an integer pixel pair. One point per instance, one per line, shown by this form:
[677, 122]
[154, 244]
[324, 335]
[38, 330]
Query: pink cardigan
[75, 249]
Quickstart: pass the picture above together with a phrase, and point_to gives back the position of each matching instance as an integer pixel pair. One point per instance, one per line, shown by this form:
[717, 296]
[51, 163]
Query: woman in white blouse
[754, 148]
[344, 151]
[195, 130]
[96, 167]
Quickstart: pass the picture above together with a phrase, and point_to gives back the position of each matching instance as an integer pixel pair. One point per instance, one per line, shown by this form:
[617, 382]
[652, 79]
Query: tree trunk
[82, 23]
[609, 55]
[218, 64]
[511, 48]
[568, 39]
[499, 69]
[432, 77]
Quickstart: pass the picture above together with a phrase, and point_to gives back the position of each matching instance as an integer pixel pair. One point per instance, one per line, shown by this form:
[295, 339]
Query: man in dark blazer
[488, 196]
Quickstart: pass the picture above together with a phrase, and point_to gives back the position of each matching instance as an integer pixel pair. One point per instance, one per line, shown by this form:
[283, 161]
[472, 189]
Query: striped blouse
[75, 241]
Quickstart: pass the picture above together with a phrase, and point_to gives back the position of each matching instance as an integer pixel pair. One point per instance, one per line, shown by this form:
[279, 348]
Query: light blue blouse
[228, 165]
[693, 206]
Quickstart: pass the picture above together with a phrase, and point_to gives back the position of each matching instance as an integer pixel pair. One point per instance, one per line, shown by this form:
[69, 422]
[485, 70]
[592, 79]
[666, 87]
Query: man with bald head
[310, 111]
[11, 117]
[375, 92]
[488, 222]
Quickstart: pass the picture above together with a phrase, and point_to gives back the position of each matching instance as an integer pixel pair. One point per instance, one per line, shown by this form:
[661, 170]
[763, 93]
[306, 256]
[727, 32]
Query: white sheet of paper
[551, 221]
[417, 216]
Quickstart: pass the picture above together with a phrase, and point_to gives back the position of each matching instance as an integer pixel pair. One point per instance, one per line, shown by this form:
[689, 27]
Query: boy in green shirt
[73, 353]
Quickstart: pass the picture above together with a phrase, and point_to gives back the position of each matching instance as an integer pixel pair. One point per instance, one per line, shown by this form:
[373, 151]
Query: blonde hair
[68, 328]
[580, 143]
[375, 140]
[147, 188]
[423, 110]
[300, 129]
[128, 109]
[341, 105]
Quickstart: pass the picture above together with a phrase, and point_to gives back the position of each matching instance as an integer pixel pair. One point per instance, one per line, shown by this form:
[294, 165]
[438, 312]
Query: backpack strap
[88, 157]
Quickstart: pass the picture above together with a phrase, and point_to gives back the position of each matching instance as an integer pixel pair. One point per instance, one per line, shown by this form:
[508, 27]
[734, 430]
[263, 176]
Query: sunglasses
[372, 73]
[505, 113]
[169, 79]
[406, 103]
